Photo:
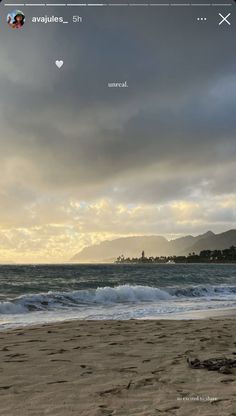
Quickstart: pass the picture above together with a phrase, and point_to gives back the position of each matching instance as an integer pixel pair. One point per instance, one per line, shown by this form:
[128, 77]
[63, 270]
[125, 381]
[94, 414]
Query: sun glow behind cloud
[86, 224]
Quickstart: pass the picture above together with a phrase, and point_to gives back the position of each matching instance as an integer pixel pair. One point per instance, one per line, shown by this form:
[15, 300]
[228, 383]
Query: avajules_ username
[47, 19]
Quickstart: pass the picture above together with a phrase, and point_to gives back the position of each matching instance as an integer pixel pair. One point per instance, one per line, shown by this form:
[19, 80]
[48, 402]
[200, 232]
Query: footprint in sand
[107, 412]
[128, 370]
[46, 349]
[5, 387]
[103, 411]
[175, 362]
[219, 400]
[16, 355]
[148, 381]
[116, 343]
[169, 409]
[157, 371]
[86, 373]
[5, 349]
[57, 382]
[228, 380]
[61, 351]
[114, 390]
[117, 389]
[69, 340]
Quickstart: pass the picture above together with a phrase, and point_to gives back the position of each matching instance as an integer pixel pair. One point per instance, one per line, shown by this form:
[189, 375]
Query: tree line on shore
[205, 256]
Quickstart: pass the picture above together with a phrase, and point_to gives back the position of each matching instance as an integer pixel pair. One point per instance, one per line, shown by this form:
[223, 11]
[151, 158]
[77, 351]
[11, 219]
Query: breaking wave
[203, 291]
[110, 295]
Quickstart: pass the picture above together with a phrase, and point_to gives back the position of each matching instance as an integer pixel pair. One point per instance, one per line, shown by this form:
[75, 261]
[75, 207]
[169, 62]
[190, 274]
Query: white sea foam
[123, 294]
[12, 308]
[128, 293]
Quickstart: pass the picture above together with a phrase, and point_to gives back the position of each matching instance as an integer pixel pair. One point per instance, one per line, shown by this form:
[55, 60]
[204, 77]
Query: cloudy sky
[81, 163]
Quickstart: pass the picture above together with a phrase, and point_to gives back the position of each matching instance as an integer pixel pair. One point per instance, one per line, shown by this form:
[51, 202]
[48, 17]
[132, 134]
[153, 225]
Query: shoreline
[117, 368]
[200, 314]
[183, 316]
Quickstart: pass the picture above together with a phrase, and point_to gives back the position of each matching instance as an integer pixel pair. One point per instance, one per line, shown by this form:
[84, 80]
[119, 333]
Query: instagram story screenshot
[117, 208]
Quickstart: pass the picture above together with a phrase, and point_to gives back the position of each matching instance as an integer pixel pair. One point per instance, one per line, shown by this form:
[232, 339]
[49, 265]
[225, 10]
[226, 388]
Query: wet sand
[123, 368]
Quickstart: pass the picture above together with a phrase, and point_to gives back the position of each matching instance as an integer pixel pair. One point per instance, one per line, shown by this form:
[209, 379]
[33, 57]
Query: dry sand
[106, 368]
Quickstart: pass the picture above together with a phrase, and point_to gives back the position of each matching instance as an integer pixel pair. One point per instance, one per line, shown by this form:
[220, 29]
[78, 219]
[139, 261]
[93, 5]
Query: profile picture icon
[16, 19]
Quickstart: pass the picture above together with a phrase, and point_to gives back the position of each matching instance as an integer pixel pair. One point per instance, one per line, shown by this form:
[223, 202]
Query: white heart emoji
[59, 64]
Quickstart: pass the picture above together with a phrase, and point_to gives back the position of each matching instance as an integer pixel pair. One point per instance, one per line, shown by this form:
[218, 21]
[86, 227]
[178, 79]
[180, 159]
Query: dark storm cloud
[176, 116]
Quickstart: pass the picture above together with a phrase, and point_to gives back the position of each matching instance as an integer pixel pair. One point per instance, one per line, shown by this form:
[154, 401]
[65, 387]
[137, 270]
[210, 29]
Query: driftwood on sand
[222, 365]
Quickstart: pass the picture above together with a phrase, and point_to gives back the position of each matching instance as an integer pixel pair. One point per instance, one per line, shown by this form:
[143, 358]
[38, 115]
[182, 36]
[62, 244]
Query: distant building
[206, 256]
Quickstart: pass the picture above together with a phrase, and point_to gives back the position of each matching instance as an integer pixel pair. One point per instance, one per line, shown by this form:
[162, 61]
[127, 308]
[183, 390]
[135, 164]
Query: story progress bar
[118, 4]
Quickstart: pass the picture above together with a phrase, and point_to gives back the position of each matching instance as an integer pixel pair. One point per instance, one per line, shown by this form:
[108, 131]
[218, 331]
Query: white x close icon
[224, 19]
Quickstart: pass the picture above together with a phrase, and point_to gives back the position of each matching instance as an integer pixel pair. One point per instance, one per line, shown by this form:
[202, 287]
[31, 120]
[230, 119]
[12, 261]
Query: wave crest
[105, 295]
[109, 295]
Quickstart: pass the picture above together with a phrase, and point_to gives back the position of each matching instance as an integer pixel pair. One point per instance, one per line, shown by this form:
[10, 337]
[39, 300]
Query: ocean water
[49, 293]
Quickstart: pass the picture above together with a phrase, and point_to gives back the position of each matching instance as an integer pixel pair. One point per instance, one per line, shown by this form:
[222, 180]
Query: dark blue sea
[36, 294]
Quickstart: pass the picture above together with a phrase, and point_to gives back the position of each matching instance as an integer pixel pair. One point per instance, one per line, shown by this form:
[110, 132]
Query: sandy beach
[123, 368]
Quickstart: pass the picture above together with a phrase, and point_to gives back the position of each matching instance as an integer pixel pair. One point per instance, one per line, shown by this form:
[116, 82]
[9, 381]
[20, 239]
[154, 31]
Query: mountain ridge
[108, 251]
